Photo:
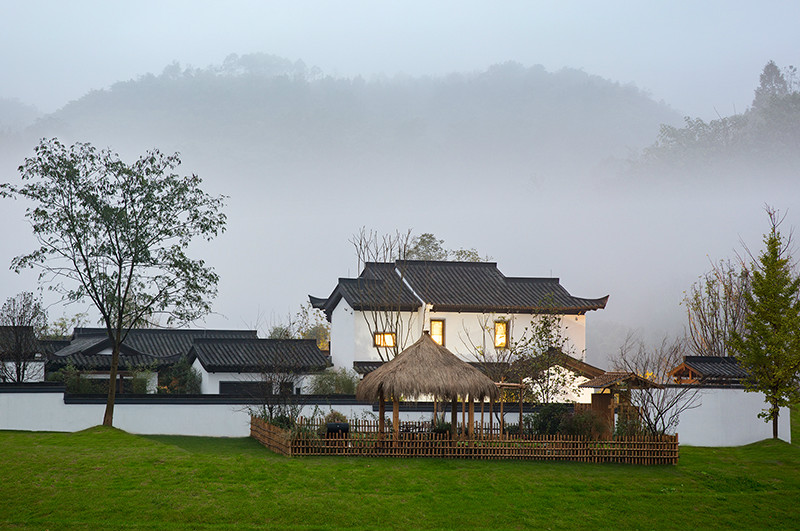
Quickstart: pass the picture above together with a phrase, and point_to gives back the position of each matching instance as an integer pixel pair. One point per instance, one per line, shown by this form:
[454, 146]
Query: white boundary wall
[729, 417]
[725, 417]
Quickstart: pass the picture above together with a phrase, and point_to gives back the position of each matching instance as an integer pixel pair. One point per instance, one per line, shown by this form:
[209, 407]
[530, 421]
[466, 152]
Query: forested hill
[761, 143]
[260, 110]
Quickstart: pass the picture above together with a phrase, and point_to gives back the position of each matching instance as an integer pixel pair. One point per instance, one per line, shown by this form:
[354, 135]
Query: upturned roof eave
[594, 304]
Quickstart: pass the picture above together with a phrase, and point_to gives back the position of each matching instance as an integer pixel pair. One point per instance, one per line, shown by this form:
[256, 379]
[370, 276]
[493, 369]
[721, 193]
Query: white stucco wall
[209, 381]
[48, 412]
[363, 342]
[725, 417]
[342, 336]
[463, 332]
[729, 417]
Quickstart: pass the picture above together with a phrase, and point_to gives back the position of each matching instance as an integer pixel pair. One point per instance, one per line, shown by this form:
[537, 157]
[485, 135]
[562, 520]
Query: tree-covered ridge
[765, 136]
[506, 116]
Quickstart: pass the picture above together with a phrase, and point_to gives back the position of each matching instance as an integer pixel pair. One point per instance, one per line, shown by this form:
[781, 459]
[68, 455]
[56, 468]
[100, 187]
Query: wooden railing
[308, 440]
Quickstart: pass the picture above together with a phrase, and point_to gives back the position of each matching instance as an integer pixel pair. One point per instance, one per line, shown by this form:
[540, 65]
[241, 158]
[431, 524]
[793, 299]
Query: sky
[700, 57]
[644, 249]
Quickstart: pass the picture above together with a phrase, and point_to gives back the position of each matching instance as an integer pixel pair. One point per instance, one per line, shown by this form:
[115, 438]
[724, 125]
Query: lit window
[437, 331]
[501, 334]
[384, 339]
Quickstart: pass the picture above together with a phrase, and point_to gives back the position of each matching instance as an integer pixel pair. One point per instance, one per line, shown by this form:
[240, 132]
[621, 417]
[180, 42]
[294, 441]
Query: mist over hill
[544, 171]
[262, 113]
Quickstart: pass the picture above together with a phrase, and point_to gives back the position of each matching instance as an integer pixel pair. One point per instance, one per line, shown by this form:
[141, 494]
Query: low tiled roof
[366, 367]
[453, 286]
[623, 379]
[128, 360]
[258, 355]
[165, 342]
[710, 369]
[142, 347]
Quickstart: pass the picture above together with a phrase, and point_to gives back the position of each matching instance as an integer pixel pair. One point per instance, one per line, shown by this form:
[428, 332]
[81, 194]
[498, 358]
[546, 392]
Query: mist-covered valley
[551, 173]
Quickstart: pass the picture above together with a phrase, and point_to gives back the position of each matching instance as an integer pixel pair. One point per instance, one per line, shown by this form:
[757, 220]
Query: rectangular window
[500, 334]
[437, 331]
[383, 339]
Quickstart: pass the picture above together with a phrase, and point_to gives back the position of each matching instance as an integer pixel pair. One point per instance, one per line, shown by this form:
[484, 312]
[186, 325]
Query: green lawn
[107, 479]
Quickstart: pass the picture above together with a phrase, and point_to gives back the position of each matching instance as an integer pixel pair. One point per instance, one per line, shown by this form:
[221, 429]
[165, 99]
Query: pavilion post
[463, 417]
[396, 419]
[520, 406]
[482, 404]
[491, 417]
[502, 415]
[381, 415]
[454, 418]
[470, 430]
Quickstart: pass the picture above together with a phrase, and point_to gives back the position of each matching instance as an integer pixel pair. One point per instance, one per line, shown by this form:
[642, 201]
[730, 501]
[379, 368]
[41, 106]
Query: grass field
[107, 479]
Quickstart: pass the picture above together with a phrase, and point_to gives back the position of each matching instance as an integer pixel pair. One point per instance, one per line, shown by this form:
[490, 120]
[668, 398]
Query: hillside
[260, 112]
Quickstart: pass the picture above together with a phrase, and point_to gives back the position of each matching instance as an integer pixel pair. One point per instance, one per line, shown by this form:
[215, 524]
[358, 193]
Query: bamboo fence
[310, 439]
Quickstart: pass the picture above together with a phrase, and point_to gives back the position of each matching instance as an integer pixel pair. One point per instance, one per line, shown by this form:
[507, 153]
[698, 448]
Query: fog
[409, 116]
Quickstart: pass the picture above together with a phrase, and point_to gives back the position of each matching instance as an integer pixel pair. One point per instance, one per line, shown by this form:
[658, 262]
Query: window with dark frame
[383, 339]
[437, 331]
[501, 334]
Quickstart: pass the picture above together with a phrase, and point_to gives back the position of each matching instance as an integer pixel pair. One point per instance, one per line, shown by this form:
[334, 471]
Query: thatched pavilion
[426, 368]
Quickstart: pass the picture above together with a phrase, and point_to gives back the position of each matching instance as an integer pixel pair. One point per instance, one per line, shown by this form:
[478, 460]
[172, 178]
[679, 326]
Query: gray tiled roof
[257, 355]
[166, 342]
[714, 368]
[151, 347]
[480, 286]
[453, 286]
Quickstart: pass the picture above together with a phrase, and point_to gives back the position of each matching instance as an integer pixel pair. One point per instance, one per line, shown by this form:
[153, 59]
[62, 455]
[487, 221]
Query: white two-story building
[471, 308]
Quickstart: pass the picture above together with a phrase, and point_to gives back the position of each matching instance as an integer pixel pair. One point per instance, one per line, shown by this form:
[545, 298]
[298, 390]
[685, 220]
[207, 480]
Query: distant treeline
[506, 117]
[762, 140]
[262, 114]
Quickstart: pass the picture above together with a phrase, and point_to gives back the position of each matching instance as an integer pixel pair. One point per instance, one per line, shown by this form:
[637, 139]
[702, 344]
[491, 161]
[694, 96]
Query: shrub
[548, 419]
[141, 380]
[628, 424]
[180, 379]
[282, 421]
[333, 416]
[340, 382]
[586, 423]
[76, 383]
[441, 426]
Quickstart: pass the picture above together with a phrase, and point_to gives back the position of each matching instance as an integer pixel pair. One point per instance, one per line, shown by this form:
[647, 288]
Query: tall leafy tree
[118, 234]
[772, 85]
[769, 346]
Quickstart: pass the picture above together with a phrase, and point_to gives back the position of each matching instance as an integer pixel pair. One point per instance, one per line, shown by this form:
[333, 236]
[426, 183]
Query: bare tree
[716, 308]
[494, 362]
[23, 321]
[533, 355]
[661, 404]
[279, 375]
[382, 287]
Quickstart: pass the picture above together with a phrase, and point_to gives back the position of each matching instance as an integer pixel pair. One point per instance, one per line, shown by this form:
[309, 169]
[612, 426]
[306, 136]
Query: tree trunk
[775, 424]
[108, 416]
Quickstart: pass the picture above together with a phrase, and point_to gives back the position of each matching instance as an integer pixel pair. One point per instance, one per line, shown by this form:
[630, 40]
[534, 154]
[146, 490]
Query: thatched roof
[426, 368]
